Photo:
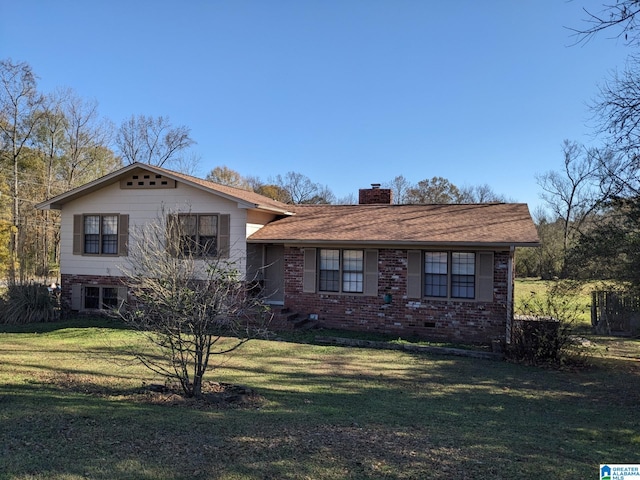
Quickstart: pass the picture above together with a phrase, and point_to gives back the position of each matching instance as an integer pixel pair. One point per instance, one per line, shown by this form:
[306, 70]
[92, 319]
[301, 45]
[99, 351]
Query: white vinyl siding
[140, 206]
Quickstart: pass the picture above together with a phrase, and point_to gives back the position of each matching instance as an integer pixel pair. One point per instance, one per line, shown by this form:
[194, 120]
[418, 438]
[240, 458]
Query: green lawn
[73, 408]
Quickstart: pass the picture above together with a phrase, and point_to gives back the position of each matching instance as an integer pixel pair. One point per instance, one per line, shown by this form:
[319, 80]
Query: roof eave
[398, 243]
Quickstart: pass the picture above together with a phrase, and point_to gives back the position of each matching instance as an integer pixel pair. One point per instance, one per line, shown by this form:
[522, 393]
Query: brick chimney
[374, 195]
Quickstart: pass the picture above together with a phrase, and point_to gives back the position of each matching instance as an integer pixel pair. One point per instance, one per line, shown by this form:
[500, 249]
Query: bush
[544, 331]
[28, 303]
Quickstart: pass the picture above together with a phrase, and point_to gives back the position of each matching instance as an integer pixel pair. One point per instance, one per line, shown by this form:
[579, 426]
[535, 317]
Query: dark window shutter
[224, 236]
[485, 276]
[309, 273]
[78, 244]
[122, 296]
[371, 272]
[172, 236]
[123, 235]
[414, 274]
[76, 295]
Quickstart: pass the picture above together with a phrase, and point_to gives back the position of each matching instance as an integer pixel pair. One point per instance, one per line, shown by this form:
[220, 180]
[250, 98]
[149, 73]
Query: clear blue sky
[346, 92]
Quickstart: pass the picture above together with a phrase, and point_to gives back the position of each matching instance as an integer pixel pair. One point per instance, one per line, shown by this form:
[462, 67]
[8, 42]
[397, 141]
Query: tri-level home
[436, 271]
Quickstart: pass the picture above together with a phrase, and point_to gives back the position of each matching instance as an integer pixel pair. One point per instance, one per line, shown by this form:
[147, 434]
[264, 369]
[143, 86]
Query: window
[347, 271]
[197, 235]
[97, 297]
[352, 271]
[435, 274]
[463, 275]
[341, 271]
[450, 274]
[329, 270]
[100, 234]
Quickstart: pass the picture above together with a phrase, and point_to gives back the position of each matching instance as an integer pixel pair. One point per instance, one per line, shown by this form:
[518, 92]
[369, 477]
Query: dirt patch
[215, 395]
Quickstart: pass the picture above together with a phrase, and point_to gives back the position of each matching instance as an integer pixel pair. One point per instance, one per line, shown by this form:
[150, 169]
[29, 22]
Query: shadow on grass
[79, 321]
[330, 413]
[438, 419]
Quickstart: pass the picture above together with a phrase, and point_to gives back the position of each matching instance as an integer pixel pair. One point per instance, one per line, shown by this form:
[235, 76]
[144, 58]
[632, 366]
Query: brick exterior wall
[67, 280]
[461, 321]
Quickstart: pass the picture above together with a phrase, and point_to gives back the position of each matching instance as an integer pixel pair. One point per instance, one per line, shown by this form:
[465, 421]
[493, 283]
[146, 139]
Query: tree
[435, 190]
[480, 194]
[571, 193]
[621, 16]
[151, 140]
[226, 176]
[189, 308]
[87, 136]
[275, 192]
[400, 187]
[21, 109]
[611, 249]
[301, 190]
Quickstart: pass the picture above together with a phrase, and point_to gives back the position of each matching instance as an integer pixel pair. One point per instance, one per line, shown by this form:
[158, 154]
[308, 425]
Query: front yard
[71, 408]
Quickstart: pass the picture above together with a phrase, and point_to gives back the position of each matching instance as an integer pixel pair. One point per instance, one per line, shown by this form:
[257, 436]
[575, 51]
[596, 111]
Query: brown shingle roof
[473, 224]
[237, 193]
[251, 199]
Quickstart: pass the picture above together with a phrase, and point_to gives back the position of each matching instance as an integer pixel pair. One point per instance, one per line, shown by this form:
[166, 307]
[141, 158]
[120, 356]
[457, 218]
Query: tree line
[590, 228]
[53, 142]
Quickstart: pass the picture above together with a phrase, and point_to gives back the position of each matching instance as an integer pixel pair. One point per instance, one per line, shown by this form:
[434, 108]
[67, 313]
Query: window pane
[353, 261]
[92, 243]
[463, 286]
[92, 225]
[109, 297]
[352, 271]
[463, 280]
[436, 271]
[329, 281]
[463, 263]
[110, 244]
[207, 246]
[208, 225]
[352, 282]
[435, 262]
[329, 259]
[435, 285]
[92, 297]
[187, 225]
[110, 225]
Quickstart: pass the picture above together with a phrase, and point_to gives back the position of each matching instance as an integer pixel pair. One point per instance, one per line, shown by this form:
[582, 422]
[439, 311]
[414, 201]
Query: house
[437, 271]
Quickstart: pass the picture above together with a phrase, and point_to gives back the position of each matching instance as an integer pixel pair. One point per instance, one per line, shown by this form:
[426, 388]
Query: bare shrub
[191, 307]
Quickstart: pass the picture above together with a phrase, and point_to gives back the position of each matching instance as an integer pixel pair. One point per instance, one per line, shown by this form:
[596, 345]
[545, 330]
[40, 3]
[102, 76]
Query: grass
[71, 408]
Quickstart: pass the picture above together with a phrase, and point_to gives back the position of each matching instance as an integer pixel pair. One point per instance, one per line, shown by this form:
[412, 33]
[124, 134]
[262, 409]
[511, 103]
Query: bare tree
[191, 308]
[572, 193]
[21, 109]
[620, 17]
[480, 194]
[302, 190]
[87, 136]
[400, 187]
[151, 140]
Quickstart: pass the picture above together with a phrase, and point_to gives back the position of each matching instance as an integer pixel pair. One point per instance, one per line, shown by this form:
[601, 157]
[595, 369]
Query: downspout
[512, 250]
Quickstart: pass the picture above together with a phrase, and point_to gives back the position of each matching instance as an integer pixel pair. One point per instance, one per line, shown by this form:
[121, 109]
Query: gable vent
[147, 181]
